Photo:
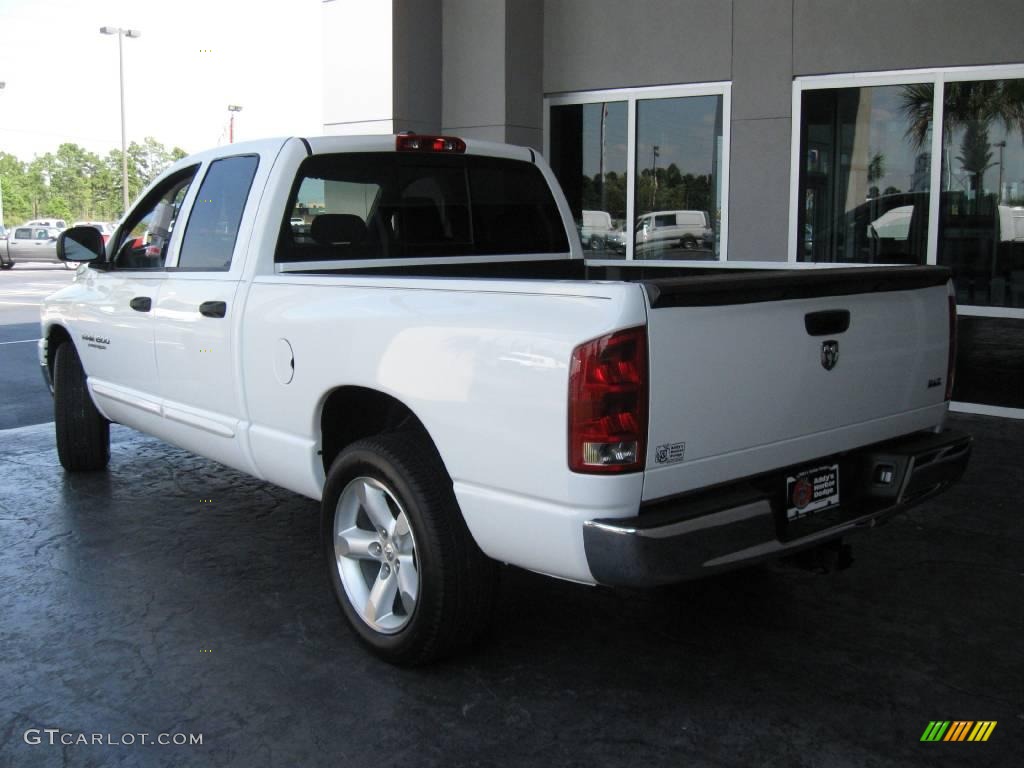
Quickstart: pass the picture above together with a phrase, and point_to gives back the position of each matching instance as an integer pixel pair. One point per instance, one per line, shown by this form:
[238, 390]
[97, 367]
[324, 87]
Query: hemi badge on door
[829, 354]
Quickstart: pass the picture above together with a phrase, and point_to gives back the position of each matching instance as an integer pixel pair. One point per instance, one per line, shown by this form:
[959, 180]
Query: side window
[147, 233]
[23, 234]
[216, 214]
[42, 234]
[665, 220]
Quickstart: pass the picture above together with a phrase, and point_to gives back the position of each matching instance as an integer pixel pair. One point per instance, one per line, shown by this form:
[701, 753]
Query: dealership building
[802, 131]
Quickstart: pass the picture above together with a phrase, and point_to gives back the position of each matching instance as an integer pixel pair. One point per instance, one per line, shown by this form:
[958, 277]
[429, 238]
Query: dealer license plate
[812, 491]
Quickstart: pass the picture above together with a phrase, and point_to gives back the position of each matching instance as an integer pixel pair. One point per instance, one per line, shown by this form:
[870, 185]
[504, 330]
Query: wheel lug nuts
[383, 533]
[375, 549]
[385, 571]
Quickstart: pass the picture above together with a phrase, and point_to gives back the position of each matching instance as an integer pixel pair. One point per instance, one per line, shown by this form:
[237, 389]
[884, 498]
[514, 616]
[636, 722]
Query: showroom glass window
[645, 170]
[865, 174]
[677, 182]
[981, 216]
[871, 150]
[589, 157]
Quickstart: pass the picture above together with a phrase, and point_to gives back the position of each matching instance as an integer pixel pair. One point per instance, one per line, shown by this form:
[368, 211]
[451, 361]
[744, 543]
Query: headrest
[337, 228]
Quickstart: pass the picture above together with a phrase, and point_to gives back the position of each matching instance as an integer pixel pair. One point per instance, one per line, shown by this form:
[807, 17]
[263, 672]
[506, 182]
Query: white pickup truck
[429, 356]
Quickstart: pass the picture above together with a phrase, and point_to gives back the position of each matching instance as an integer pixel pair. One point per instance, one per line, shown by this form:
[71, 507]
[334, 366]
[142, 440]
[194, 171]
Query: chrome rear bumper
[705, 533]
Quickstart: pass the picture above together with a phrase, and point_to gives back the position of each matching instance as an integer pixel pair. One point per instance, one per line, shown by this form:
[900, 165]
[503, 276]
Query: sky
[682, 128]
[193, 59]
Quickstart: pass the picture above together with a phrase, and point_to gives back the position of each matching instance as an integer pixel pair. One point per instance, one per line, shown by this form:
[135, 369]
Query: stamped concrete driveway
[173, 596]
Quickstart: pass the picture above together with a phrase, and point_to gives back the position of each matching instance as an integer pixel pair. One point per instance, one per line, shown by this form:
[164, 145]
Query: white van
[660, 230]
[595, 229]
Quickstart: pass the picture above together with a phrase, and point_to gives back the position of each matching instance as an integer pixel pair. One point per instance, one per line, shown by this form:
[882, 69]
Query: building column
[382, 66]
[492, 70]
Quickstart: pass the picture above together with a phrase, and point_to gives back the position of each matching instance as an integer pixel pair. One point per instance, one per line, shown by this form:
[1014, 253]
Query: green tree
[973, 106]
[74, 183]
[16, 194]
[976, 154]
[876, 168]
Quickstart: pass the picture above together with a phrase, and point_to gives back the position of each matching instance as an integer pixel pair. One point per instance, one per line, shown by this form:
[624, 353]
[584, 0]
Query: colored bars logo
[958, 730]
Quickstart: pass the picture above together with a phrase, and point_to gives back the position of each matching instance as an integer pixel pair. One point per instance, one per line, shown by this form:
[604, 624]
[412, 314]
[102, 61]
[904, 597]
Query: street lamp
[122, 33]
[232, 108]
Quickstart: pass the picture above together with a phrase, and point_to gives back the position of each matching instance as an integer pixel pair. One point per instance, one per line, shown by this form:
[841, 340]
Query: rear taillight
[608, 403]
[951, 360]
[411, 142]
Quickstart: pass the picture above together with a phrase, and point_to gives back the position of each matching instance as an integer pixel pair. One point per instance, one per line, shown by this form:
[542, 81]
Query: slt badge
[829, 354]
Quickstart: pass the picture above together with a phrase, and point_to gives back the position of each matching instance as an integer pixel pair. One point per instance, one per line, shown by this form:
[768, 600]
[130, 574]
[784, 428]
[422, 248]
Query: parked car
[660, 230]
[102, 227]
[30, 243]
[438, 366]
[51, 223]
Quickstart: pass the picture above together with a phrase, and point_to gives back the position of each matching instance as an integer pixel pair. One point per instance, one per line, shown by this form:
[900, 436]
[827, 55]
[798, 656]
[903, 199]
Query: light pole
[1002, 146]
[2, 86]
[655, 152]
[232, 108]
[122, 33]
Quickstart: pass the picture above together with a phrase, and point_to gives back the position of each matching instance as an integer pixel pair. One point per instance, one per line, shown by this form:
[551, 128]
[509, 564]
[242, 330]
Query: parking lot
[171, 595]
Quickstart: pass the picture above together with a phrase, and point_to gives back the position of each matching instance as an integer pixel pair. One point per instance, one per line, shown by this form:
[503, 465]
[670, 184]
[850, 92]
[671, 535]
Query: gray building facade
[808, 131]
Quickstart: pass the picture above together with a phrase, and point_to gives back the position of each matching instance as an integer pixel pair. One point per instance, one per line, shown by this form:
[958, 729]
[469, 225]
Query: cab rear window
[395, 205]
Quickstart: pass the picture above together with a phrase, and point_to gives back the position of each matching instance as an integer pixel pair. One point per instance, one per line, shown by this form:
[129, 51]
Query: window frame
[631, 96]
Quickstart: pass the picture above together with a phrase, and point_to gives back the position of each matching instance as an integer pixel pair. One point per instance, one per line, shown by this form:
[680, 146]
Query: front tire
[83, 435]
[406, 573]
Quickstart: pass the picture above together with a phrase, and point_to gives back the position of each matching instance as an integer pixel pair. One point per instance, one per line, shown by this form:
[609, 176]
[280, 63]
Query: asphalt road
[24, 399]
[172, 595]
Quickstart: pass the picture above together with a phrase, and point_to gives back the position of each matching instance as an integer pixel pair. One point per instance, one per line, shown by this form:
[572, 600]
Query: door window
[216, 214]
[146, 235]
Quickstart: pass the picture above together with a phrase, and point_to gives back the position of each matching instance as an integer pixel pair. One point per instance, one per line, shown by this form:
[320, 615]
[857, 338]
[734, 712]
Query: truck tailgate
[749, 372]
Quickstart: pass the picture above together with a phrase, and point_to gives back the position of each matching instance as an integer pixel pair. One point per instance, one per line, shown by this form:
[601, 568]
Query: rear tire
[83, 435]
[404, 568]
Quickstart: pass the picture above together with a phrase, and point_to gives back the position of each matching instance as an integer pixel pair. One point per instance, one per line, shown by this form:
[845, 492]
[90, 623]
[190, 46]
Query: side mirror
[80, 244]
